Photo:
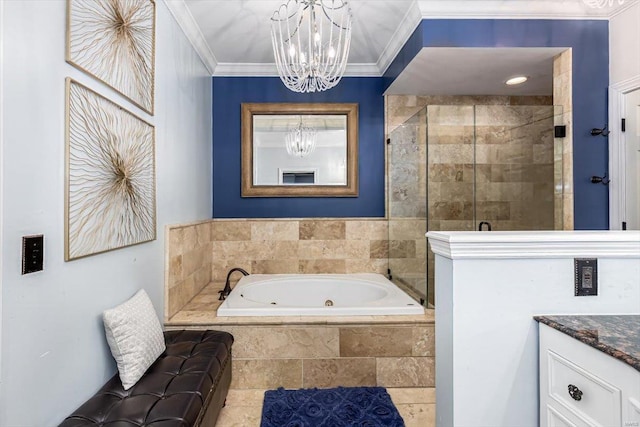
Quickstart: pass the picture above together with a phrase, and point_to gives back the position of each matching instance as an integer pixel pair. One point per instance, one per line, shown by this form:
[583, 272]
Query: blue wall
[590, 42]
[588, 38]
[230, 92]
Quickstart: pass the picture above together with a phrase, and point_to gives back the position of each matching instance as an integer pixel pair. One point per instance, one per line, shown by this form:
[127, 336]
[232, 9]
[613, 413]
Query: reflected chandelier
[599, 4]
[311, 40]
[300, 140]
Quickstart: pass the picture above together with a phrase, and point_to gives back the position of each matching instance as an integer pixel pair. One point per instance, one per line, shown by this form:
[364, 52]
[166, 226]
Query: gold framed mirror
[299, 150]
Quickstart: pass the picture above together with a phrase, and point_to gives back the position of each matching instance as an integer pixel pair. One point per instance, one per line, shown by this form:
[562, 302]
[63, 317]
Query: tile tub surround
[615, 335]
[244, 407]
[187, 264]
[306, 351]
[203, 252]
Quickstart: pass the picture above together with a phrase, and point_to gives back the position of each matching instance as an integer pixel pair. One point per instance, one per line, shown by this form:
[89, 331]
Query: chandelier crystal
[599, 4]
[300, 140]
[311, 40]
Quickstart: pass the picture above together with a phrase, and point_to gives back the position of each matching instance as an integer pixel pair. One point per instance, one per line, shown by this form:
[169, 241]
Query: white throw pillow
[135, 337]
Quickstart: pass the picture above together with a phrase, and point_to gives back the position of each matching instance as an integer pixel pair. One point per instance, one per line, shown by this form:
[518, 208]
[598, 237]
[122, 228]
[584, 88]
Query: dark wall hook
[604, 180]
[603, 131]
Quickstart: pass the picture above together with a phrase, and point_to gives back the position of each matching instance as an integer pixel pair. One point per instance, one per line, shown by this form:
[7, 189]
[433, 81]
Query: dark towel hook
[604, 180]
[603, 131]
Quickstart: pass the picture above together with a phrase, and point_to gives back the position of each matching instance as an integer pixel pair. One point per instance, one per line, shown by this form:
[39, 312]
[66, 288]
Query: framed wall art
[110, 198]
[114, 42]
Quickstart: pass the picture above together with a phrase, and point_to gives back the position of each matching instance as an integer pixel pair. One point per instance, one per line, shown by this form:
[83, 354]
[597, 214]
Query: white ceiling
[233, 38]
[477, 72]
[238, 31]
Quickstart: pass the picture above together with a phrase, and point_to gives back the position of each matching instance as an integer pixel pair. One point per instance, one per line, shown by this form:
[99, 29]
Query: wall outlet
[586, 276]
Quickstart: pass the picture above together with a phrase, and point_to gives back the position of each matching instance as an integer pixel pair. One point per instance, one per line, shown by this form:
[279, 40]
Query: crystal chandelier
[599, 4]
[311, 40]
[300, 140]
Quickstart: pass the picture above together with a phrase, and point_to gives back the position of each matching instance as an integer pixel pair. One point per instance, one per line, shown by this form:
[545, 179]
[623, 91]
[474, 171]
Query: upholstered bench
[186, 386]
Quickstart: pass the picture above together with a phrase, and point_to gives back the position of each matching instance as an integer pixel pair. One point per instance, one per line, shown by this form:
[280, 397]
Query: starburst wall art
[110, 175]
[114, 41]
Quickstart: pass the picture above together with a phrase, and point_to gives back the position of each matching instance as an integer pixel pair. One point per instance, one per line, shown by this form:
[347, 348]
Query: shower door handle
[488, 224]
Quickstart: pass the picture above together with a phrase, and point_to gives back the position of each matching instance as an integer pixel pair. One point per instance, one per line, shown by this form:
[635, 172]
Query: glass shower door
[406, 172]
[514, 167]
[466, 167]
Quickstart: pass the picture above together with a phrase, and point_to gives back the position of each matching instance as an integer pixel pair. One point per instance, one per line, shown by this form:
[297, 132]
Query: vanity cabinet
[583, 386]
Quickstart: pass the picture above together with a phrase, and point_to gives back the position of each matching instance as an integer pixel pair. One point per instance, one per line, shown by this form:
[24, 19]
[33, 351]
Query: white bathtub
[317, 295]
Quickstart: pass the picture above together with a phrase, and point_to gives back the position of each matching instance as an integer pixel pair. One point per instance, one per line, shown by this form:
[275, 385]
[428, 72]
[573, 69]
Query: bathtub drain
[328, 303]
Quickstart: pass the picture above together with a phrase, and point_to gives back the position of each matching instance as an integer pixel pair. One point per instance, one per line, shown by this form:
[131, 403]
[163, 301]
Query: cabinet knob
[575, 392]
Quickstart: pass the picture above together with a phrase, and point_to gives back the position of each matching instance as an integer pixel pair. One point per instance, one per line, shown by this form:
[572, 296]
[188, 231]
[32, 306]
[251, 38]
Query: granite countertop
[616, 335]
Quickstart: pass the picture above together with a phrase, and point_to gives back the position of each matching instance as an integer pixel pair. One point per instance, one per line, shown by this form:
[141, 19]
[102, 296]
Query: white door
[631, 138]
[1, 172]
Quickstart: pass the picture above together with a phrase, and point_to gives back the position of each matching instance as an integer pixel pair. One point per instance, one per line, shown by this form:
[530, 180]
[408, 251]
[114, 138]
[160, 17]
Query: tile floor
[416, 406]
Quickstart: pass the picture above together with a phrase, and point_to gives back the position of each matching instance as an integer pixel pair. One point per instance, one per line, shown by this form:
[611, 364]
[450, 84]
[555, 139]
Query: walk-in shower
[469, 166]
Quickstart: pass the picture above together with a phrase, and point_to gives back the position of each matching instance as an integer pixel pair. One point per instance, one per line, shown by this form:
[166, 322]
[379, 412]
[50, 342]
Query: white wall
[54, 355]
[328, 161]
[624, 44]
[1, 168]
[488, 288]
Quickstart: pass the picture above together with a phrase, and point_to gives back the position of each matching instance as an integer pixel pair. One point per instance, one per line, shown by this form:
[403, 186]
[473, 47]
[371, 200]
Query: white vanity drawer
[595, 401]
[610, 388]
[557, 419]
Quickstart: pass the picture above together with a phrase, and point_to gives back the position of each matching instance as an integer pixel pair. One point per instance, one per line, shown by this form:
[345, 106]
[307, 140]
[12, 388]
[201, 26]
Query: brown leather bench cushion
[173, 392]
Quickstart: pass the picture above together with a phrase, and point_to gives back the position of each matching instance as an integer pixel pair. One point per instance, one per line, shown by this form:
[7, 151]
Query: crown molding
[541, 244]
[229, 69]
[406, 27]
[190, 28]
[628, 5]
[362, 70]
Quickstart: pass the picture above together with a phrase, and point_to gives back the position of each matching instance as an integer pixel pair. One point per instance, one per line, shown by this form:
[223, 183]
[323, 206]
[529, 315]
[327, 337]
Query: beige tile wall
[271, 247]
[298, 246]
[295, 356]
[330, 356]
[188, 263]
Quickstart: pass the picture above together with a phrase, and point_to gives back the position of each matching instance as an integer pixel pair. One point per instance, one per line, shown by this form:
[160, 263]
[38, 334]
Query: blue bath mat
[332, 407]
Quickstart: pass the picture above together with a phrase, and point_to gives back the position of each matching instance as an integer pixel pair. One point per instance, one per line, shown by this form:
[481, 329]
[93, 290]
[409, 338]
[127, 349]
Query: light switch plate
[32, 254]
[585, 276]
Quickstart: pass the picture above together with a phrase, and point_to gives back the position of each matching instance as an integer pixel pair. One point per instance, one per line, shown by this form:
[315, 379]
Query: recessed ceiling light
[516, 80]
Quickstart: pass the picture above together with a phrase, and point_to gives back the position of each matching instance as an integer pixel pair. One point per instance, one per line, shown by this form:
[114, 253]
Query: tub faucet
[227, 285]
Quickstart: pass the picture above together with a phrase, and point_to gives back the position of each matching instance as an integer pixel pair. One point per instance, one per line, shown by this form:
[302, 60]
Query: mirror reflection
[291, 149]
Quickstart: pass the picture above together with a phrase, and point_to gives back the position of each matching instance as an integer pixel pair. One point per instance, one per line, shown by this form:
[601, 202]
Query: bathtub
[317, 295]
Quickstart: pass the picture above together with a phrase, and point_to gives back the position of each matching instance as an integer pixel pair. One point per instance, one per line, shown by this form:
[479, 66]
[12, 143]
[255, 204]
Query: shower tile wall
[511, 163]
[514, 167]
[204, 252]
